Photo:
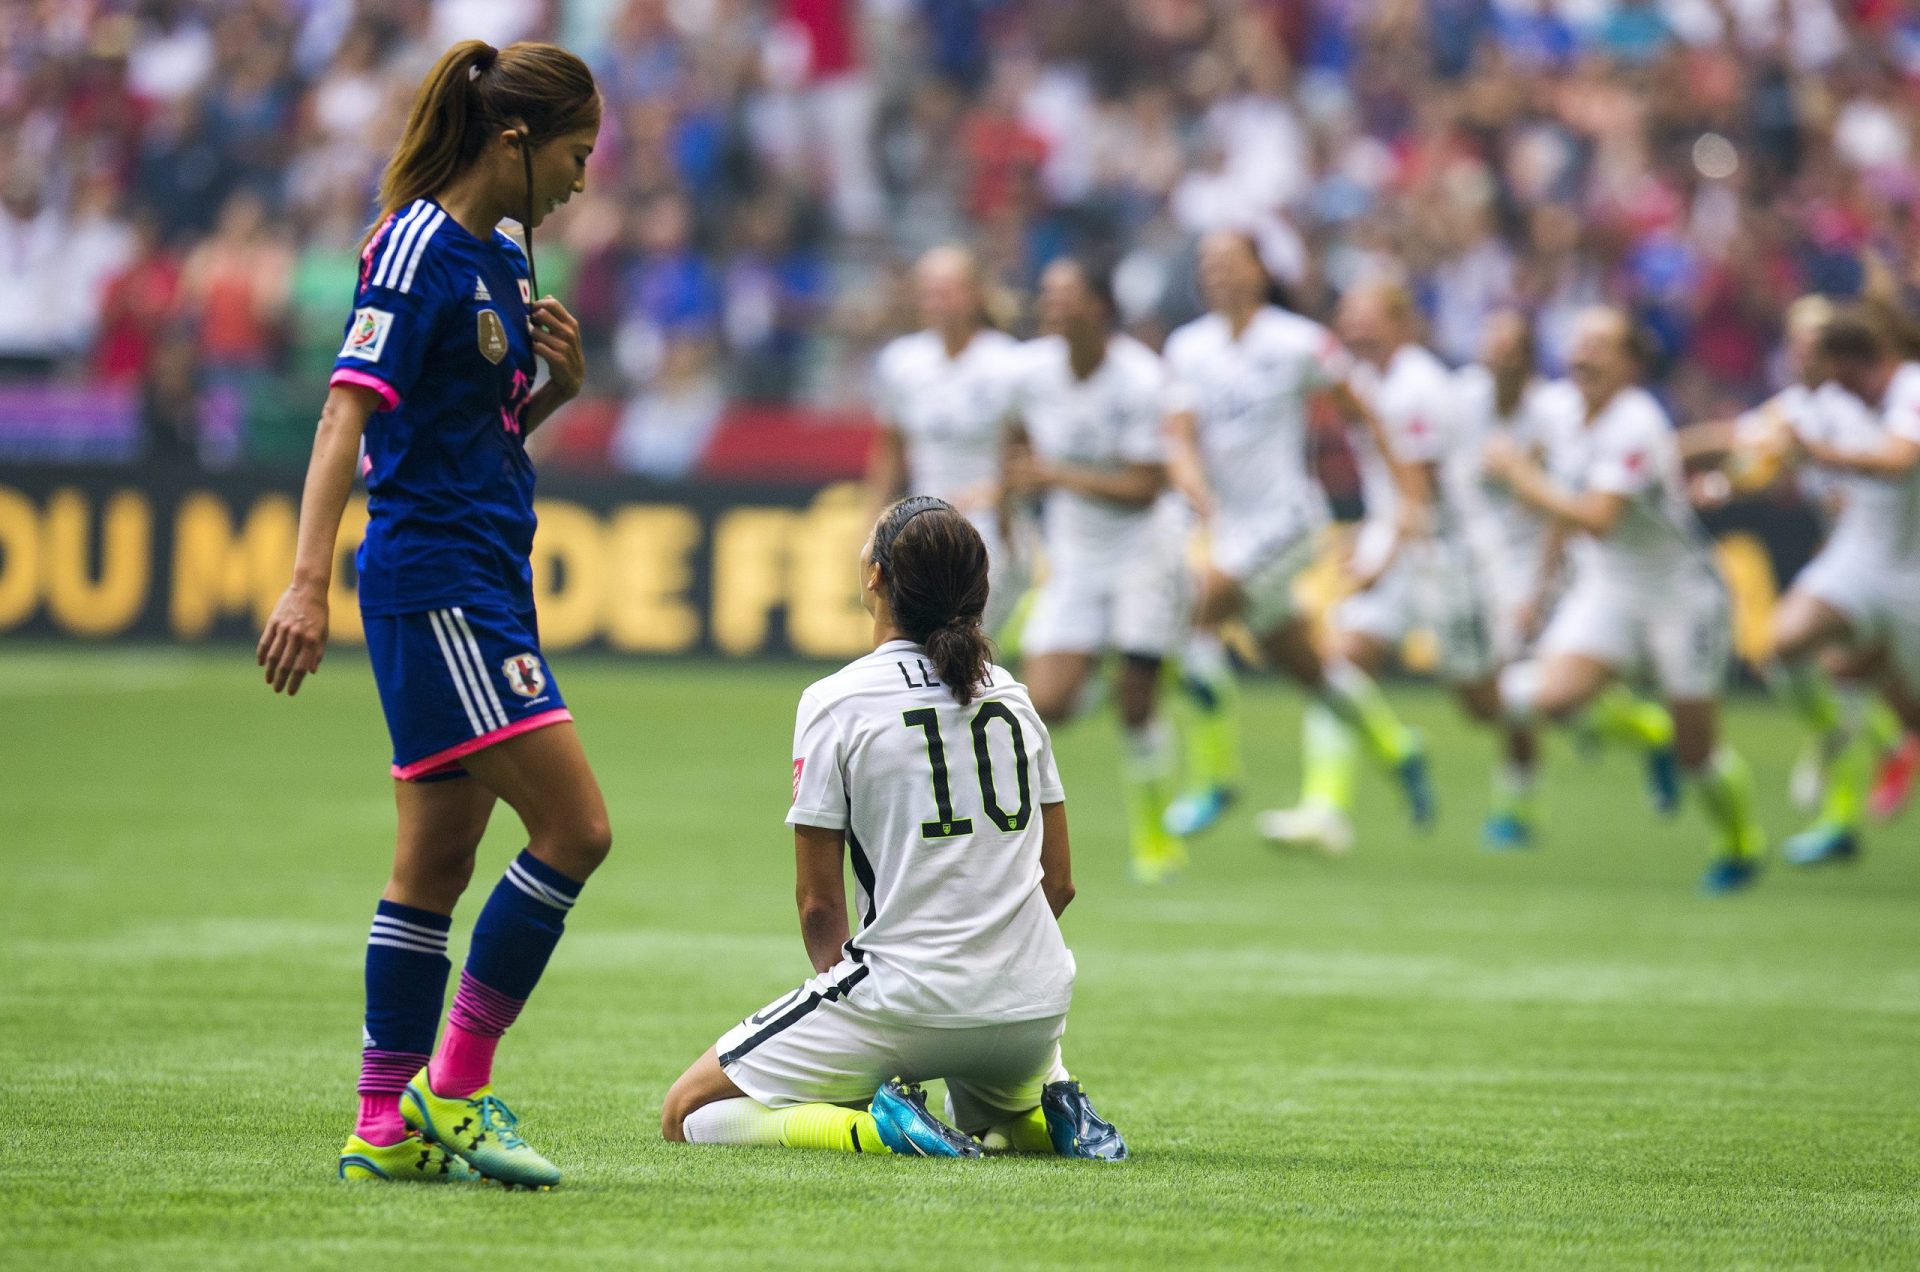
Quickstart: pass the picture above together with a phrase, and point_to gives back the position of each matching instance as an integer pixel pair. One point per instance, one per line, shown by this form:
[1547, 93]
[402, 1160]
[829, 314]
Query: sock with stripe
[1210, 719]
[1351, 694]
[406, 972]
[742, 1121]
[512, 940]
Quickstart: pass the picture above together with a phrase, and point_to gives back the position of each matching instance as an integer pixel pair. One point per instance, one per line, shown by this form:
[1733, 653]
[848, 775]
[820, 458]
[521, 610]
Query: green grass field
[1419, 1055]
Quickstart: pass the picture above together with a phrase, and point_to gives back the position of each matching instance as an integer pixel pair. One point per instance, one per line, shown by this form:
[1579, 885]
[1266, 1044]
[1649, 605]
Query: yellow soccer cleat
[481, 1129]
[411, 1161]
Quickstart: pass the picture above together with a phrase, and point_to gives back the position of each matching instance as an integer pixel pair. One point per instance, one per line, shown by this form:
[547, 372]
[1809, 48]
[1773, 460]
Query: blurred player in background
[1643, 591]
[1863, 591]
[1409, 427]
[940, 395]
[1241, 379]
[437, 375]
[1087, 442]
[927, 763]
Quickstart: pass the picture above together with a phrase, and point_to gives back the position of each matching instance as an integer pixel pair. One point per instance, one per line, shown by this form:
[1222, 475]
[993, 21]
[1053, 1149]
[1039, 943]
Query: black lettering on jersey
[926, 680]
[946, 825]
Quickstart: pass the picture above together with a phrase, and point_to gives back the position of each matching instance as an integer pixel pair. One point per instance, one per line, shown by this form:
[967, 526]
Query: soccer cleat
[906, 1128]
[1730, 874]
[1191, 814]
[1075, 1129]
[413, 1160]
[1416, 784]
[1821, 845]
[1809, 779]
[1663, 780]
[1893, 784]
[1314, 826]
[481, 1129]
[1506, 832]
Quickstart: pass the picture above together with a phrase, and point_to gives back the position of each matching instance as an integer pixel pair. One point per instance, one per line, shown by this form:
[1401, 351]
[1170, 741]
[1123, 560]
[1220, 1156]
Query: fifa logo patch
[525, 676]
[799, 766]
[367, 334]
[493, 336]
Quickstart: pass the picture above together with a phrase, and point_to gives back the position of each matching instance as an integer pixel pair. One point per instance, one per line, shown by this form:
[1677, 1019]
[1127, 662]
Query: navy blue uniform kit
[440, 332]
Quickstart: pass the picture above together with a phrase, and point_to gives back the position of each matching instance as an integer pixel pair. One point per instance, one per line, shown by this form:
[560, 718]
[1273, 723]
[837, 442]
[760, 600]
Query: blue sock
[406, 985]
[520, 926]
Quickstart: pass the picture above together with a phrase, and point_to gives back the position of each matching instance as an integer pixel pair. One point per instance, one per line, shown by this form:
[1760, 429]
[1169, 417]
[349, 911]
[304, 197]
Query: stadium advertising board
[104, 554]
[100, 554]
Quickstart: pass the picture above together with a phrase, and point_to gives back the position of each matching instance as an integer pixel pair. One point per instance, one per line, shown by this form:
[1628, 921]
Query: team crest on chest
[493, 336]
[525, 676]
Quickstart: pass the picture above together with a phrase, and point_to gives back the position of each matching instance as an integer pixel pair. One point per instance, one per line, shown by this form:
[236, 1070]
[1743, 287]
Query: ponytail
[473, 92]
[933, 564]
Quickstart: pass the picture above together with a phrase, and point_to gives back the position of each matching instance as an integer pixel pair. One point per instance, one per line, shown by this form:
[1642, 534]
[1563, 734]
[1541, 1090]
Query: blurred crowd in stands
[182, 182]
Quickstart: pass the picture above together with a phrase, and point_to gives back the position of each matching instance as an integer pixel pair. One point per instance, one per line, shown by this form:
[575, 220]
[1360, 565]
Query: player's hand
[1025, 474]
[556, 337]
[1528, 617]
[1502, 458]
[295, 639]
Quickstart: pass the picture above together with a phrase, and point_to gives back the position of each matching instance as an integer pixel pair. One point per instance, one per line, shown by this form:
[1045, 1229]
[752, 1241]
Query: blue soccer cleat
[906, 1128]
[1075, 1129]
[1416, 784]
[1730, 874]
[1663, 780]
[1506, 832]
[1191, 814]
[1822, 845]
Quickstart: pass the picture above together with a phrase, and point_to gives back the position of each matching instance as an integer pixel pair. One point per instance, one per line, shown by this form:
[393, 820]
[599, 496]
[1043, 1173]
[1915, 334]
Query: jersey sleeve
[1418, 422]
[1046, 770]
[1626, 461]
[1327, 363]
[1181, 393]
[1143, 438]
[1903, 407]
[819, 768]
[399, 303]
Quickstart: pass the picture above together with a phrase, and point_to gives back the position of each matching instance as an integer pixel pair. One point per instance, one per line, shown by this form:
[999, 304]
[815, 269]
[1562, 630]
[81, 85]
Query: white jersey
[1630, 449]
[941, 806]
[1249, 396]
[1883, 517]
[1415, 400]
[949, 410]
[1111, 419]
[1506, 533]
[1831, 415]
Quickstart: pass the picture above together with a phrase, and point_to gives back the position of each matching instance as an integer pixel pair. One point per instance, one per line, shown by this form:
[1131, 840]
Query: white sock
[735, 1121]
[1205, 658]
[1148, 751]
[1520, 691]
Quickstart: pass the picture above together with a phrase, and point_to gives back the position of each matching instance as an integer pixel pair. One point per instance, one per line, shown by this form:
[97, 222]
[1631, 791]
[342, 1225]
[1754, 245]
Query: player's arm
[820, 892]
[886, 468]
[295, 638]
[1708, 443]
[1056, 858]
[556, 338]
[1185, 471]
[1892, 460]
[1594, 512]
[1131, 485]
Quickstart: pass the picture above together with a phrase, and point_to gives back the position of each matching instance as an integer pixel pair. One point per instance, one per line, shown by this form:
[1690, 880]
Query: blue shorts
[455, 680]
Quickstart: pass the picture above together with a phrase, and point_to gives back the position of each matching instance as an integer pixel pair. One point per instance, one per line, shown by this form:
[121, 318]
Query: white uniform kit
[1115, 574]
[1647, 595]
[957, 969]
[1249, 395]
[1869, 569]
[951, 415]
[1416, 401]
[1505, 538]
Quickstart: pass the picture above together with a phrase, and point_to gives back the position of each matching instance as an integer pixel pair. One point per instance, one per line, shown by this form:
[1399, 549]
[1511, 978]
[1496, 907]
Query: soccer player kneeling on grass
[929, 766]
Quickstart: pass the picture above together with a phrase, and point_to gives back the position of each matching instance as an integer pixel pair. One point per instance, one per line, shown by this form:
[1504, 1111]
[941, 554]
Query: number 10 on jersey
[946, 825]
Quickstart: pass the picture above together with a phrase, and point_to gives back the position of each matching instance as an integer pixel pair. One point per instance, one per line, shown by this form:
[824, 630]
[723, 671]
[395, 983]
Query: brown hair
[1852, 335]
[933, 565]
[473, 91]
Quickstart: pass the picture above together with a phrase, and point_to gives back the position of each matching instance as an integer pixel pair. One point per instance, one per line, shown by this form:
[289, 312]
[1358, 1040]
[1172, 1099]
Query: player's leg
[1805, 624]
[441, 824]
[1007, 1086]
[1725, 787]
[1149, 769]
[1209, 719]
[543, 775]
[1510, 820]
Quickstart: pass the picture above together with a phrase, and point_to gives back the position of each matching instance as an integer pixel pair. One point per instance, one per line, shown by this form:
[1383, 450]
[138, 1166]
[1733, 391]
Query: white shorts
[1435, 585]
[1266, 561]
[1681, 634]
[821, 1044]
[1879, 599]
[1136, 605]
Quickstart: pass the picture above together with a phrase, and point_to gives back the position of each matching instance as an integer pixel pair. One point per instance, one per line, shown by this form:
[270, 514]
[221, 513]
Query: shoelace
[495, 1116]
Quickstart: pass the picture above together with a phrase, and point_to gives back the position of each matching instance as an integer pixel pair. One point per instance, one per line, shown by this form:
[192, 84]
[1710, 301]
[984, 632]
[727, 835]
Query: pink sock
[380, 1121]
[464, 1061]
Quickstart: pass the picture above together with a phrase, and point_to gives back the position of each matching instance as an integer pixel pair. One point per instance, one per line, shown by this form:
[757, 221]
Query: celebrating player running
[437, 375]
[929, 766]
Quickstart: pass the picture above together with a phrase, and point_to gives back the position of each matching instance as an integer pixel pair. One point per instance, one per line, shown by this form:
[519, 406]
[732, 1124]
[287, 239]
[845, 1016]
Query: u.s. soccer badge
[525, 676]
[493, 336]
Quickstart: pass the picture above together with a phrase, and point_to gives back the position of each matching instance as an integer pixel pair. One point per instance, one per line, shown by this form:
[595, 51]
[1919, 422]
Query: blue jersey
[439, 331]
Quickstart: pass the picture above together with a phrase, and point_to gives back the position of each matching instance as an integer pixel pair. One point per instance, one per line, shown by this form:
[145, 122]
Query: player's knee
[592, 841]
[673, 1118]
